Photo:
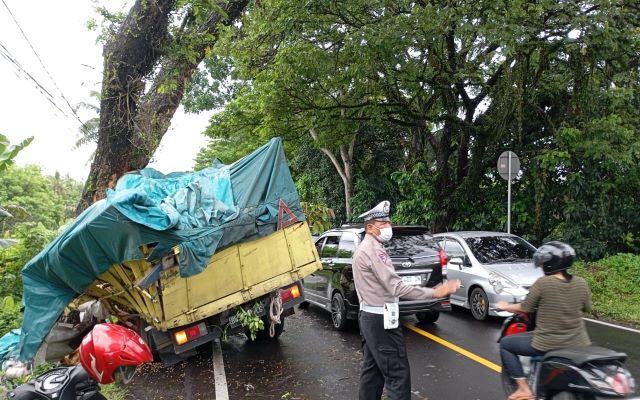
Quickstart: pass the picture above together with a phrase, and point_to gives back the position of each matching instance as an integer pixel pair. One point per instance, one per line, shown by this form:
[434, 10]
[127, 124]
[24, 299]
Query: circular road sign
[503, 165]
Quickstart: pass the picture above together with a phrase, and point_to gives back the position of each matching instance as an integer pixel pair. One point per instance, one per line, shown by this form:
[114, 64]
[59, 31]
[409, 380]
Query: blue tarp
[8, 343]
[200, 212]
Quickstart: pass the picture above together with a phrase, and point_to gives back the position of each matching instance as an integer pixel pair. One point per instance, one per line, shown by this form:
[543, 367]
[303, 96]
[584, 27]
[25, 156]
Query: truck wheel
[338, 312]
[428, 317]
[479, 303]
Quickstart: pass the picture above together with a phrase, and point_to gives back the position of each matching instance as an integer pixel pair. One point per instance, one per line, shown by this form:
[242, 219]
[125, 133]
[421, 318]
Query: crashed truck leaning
[181, 258]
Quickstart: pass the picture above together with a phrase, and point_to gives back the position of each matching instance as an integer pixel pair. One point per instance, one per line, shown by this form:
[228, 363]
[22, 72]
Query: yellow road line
[453, 347]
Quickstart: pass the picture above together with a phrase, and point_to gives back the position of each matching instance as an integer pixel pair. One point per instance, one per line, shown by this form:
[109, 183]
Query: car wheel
[479, 304]
[428, 317]
[338, 312]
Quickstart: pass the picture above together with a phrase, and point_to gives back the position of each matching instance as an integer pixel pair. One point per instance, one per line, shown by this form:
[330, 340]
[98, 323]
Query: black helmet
[554, 256]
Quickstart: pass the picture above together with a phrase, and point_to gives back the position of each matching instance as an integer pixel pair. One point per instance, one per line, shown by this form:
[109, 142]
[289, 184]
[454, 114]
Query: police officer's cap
[379, 212]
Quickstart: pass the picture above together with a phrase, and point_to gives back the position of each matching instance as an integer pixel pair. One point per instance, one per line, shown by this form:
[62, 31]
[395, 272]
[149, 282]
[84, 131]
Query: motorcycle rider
[558, 299]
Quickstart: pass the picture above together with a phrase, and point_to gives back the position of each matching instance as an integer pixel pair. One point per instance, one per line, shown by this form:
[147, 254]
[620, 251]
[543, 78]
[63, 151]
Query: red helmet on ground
[108, 347]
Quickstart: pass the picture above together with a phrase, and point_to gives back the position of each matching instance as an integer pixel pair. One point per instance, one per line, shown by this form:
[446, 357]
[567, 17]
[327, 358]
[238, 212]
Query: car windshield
[495, 249]
[410, 244]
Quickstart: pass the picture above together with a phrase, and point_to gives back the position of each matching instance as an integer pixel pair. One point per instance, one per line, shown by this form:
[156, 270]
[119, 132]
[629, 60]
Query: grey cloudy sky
[57, 31]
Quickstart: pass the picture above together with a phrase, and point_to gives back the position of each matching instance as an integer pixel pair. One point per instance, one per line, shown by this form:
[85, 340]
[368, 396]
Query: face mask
[385, 234]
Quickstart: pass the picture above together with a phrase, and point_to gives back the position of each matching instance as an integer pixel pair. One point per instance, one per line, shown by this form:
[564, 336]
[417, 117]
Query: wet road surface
[313, 361]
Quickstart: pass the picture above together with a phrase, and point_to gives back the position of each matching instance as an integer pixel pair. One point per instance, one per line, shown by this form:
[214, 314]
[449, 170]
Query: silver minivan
[491, 266]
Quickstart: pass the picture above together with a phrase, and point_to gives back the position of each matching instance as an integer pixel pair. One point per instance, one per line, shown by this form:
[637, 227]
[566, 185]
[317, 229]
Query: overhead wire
[14, 61]
[6, 54]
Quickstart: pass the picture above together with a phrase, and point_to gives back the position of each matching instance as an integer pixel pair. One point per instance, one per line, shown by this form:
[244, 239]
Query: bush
[615, 285]
[10, 315]
[33, 237]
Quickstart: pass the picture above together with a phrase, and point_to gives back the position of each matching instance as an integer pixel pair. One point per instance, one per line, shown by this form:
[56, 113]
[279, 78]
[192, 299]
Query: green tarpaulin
[200, 212]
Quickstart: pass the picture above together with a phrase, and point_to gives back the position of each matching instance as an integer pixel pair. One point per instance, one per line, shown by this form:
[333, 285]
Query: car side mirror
[457, 261]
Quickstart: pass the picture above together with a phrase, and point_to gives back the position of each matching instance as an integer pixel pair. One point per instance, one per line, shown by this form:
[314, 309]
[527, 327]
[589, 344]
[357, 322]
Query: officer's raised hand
[446, 288]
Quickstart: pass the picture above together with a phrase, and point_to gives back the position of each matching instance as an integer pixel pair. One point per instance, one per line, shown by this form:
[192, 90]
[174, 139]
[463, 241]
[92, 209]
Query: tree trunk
[132, 121]
[344, 169]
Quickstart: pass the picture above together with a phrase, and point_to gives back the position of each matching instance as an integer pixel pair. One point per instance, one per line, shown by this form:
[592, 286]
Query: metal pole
[509, 197]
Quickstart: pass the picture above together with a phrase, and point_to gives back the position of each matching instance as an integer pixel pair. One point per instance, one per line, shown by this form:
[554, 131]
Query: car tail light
[443, 261]
[193, 332]
[290, 293]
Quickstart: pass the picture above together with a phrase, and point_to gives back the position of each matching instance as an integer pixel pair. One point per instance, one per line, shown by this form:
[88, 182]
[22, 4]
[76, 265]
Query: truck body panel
[233, 276]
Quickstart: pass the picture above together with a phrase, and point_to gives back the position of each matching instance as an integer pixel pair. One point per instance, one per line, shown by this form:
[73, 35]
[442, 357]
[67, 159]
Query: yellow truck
[183, 258]
[178, 314]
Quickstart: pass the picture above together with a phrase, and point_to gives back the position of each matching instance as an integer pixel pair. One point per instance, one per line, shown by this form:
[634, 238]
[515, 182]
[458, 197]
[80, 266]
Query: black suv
[416, 257]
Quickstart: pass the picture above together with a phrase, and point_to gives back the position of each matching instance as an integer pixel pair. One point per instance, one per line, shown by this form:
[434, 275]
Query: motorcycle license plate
[412, 279]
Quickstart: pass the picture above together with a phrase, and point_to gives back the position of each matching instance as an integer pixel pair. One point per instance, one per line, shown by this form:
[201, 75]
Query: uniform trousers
[385, 360]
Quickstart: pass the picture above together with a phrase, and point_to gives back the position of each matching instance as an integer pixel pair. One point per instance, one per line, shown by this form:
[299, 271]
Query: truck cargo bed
[233, 276]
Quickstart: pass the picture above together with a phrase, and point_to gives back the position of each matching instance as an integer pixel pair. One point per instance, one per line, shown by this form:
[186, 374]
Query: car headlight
[500, 283]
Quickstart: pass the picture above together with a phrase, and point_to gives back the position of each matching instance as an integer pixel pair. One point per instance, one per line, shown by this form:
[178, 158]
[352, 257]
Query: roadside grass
[615, 287]
[113, 391]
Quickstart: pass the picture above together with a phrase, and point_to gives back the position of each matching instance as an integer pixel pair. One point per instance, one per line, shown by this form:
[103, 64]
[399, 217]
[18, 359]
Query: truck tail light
[443, 261]
[290, 293]
[193, 332]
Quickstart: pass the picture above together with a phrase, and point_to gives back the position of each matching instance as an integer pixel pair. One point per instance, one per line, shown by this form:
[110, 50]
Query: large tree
[148, 59]
[467, 79]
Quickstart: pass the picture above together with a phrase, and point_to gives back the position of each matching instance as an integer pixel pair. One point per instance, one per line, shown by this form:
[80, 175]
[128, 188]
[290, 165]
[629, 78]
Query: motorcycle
[578, 373]
[66, 383]
[107, 353]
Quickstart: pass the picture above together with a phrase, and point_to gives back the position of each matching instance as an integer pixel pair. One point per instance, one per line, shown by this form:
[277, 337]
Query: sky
[72, 69]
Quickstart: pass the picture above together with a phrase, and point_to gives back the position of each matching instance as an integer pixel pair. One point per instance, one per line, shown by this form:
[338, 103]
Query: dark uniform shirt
[376, 280]
[559, 305]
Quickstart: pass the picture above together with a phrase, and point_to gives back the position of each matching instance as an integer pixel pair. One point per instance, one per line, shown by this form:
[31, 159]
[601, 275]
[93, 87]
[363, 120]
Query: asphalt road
[456, 358]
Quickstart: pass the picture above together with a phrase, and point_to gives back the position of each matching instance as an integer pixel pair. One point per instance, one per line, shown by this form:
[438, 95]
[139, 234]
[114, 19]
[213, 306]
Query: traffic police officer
[379, 287]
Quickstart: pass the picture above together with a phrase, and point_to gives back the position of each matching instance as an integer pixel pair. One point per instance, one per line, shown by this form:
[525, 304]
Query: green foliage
[108, 23]
[432, 95]
[33, 197]
[113, 391]
[10, 315]
[417, 188]
[319, 217]
[32, 238]
[250, 320]
[38, 370]
[8, 152]
[226, 150]
[89, 129]
[316, 179]
[39, 206]
[615, 286]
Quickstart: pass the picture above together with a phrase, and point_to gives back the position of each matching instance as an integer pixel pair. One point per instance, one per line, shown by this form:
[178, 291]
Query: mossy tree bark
[147, 64]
